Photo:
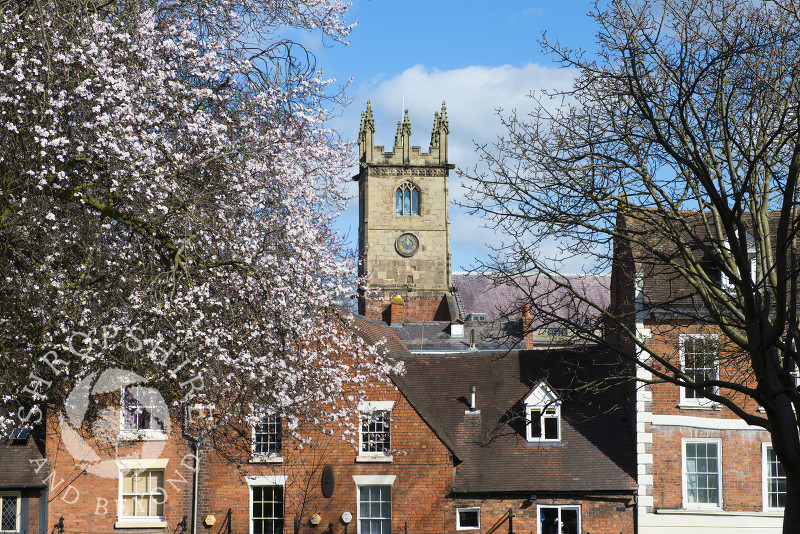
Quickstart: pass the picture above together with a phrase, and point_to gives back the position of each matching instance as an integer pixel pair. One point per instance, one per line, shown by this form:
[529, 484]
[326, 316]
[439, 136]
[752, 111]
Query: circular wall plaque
[407, 244]
[328, 481]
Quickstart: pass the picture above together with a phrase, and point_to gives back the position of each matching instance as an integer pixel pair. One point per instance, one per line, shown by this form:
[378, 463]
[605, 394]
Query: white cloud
[473, 94]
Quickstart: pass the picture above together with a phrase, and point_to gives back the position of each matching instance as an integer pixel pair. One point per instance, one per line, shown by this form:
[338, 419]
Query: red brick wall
[741, 466]
[88, 502]
[421, 463]
[612, 514]
[741, 449]
[33, 511]
[666, 397]
[416, 309]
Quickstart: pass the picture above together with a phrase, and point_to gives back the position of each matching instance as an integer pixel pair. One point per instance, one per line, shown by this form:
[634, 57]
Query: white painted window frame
[137, 434]
[468, 509]
[765, 479]
[264, 480]
[17, 495]
[365, 409]
[371, 480]
[547, 401]
[559, 507]
[684, 476]
[159, 464]
[724, 281]
[693, 401]
[272, 457]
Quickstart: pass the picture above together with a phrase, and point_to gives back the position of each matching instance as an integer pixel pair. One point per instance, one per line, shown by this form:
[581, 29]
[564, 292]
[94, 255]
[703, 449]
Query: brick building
[531, 457]
[392, 471]
[699, 465]
[537, 454]
[532, 448]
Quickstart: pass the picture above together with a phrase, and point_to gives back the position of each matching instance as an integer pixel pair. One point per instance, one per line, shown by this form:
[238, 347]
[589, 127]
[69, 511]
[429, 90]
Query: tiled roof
[374, 332]
[596, 451]
[506, 298]
[19, 465]
[663, 287]
[377, 333]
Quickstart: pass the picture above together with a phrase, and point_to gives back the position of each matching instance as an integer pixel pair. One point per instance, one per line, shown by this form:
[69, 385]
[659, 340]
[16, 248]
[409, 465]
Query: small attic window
[19, 436]
[543, 415]
[480, 317]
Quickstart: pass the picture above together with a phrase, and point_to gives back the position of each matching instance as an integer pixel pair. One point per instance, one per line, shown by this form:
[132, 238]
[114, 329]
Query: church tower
[404, 229]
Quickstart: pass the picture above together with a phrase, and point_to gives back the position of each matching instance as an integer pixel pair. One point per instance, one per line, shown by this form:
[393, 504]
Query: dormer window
[406, 199]
[725, 282]
[543, 415]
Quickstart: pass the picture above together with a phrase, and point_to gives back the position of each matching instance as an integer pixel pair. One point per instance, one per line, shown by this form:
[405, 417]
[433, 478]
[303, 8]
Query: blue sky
[478, 56]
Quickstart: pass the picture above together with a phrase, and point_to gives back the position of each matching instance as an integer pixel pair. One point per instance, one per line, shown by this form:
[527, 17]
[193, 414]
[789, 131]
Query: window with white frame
[266, 503]
[268, 437]
[142, 494]
[468, 518]
[10, 513]
[543, 414]
[143, 410]
[702, 473]
[699, 359]
[773, 479]
[406, 199]
[559, 519]
[375, 509]
[375, 436]
[267, 509]
[725, 282]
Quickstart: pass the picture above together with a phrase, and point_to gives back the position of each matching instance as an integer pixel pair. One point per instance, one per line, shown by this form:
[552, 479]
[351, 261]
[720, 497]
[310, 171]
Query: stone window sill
[133, 435]
[705, 406]
[267, 459]
[140, 523]
[383, 458]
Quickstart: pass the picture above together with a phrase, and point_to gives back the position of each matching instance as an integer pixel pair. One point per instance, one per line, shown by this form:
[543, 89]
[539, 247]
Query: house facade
[537, 453]
[493, 428]
[699, 465]
[390, 472]
[23, 483]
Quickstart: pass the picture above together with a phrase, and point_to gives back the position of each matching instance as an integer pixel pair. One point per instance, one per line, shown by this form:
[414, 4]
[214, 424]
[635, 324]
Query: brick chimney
[398, 310]
[526, 326]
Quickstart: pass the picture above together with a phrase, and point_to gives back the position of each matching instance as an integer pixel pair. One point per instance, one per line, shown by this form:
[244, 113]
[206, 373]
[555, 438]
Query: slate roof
[662, 286]
[436, 335]
[18, 469]
[596, 451]
[377, 333]
[498, 300]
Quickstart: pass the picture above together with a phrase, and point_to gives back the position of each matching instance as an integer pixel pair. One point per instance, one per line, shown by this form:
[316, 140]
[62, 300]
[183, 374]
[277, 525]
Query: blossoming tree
[165, 184]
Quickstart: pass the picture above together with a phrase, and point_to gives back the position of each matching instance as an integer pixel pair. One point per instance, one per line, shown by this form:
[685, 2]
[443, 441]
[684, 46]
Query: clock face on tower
[407, 244]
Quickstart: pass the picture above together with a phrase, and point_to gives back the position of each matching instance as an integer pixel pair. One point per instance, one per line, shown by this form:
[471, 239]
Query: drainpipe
[198, 444]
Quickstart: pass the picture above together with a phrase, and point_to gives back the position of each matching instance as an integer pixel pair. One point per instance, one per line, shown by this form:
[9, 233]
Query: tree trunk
[791, 513]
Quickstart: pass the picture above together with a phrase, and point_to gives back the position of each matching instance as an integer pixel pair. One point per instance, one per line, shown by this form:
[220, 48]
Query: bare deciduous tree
[677, 150]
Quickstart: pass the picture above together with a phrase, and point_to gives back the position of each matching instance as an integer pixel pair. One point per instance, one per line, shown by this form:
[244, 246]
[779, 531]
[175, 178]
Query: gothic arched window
[406, 199]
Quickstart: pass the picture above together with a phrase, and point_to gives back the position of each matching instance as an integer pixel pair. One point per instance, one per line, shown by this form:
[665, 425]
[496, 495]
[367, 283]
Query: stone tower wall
[425, 278]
